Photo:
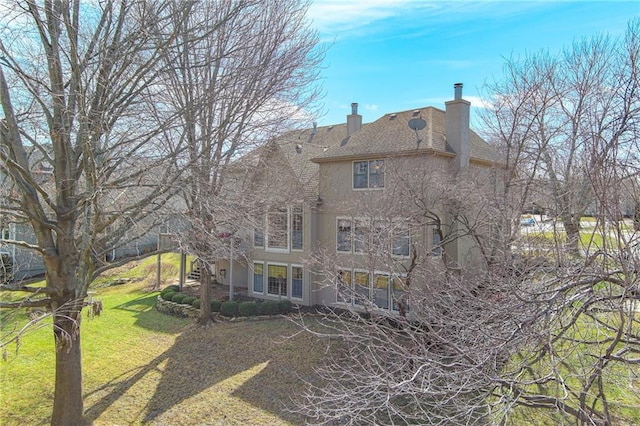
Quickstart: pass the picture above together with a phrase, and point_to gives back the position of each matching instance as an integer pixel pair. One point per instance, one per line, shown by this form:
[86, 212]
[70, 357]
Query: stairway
[194, 274]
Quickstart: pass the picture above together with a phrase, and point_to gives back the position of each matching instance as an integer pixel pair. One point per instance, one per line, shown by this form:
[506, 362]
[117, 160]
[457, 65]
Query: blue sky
[392, 55]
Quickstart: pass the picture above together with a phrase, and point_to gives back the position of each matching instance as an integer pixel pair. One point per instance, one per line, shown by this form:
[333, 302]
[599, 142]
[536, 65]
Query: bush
[215, 305]
[175, 288]
[168, 295]
[188, 300]
[248, 309]
[285, 306]
[229, 308]
[178, 297]
[268, 307]
[196, 304]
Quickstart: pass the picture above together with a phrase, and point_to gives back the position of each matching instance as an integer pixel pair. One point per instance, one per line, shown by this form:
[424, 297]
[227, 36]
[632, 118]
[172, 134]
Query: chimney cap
[457, 91]
[354, 108]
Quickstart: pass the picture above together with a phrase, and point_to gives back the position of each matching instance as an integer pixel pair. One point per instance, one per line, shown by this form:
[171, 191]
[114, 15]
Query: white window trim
[266, 236]
[368, 224]
[350, 219]
[368, 188]
[291, 227]
[295, 265]
[391, 277]
[340, 302]
[393, 237]
[433, 247]
[287, 283]
[253, 276]
[355, 284]
[372, 290]
[263, 238]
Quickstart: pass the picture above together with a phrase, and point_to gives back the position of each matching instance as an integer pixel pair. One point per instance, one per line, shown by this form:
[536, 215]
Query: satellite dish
[417, 124]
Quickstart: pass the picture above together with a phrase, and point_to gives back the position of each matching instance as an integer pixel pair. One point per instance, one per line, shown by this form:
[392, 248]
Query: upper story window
[436, 242]
[368, 174]
[361, 235]
[297, 227]
[258, 232]
[284, 230]
[4, 233]
[278, 229]
[401, 241]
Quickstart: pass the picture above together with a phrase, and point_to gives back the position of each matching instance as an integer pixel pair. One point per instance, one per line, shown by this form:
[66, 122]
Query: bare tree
[554, 116]
[244, 71]
[79, 94]
[537, 334]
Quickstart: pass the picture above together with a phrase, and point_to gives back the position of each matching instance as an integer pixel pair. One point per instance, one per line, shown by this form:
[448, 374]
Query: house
[336, 226]
[122, 238]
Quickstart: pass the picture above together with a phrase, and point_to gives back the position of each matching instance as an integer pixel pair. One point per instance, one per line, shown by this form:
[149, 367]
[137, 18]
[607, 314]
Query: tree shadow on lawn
[147, 317]
[233, 370]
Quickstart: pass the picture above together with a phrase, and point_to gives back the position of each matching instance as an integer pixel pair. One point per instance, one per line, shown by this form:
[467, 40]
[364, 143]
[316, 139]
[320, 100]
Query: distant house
[337, 191]
[19, 262]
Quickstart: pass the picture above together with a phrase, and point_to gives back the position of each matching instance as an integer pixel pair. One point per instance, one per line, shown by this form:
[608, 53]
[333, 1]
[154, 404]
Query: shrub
[188, 300]
[229, 308]
[178, 297]
[285, 306]
[196, 304]
[215, 305]
[175, 288]
[168, 295]
[248, 309]
[268, 307]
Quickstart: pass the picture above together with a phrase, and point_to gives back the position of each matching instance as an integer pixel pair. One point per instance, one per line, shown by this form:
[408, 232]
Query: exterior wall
[340, 200]
[288, 258]
[26, 263]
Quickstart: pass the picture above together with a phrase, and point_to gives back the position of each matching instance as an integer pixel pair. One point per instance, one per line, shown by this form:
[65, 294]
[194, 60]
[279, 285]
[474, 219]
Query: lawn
[143, 367]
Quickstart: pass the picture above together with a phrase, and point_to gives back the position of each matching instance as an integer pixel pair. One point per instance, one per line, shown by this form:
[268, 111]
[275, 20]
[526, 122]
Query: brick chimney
[354, 120]
[458, 133]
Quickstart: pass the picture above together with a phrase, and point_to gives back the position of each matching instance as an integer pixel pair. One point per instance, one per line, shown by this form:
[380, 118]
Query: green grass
[143, 367]
[620, 382]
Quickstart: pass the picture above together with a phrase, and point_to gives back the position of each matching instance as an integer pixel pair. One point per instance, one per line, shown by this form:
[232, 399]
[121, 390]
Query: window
[368, 174]
[361, 236]
[6, 268]
[381, 290]
[277, 282]
[258, 278]
[399, 294]
[361, 287]
[4, 233]
[401, 241]
[296, 282]
[297, 228]
[258, 237]
[343, 287]
[278, 229]
[436, 248]
[343, 235]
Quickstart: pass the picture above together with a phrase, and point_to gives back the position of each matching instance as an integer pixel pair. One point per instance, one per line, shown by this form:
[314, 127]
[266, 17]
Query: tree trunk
[205, 294]
[68, 407]
[573, 237]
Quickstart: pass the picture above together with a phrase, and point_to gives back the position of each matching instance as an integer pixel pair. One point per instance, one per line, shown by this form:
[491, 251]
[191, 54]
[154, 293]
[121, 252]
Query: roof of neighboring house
[391, 135]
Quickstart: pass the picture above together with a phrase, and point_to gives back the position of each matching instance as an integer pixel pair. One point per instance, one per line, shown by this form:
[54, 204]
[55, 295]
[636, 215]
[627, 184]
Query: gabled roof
[298, 147]
[391, 135]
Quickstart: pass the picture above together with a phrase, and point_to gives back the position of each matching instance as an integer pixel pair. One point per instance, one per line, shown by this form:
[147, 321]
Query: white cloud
[339, 18]
[371, 107]
[336, 16]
